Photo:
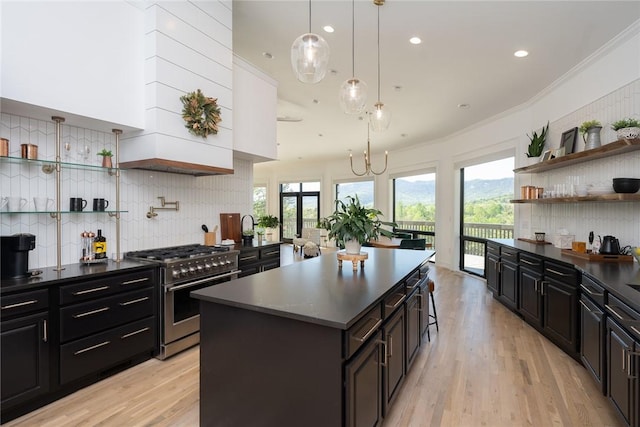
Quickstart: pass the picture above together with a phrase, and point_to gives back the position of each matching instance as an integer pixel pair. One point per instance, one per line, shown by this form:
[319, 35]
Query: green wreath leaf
[200, 113]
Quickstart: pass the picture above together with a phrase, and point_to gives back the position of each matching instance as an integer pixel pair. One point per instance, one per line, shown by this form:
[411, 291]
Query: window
[259, 200]
[299, 208]
[414, 205]
[485, 210]
[362, 189]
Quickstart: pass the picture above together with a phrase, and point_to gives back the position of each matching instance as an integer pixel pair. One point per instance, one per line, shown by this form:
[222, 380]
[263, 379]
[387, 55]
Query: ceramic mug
[100, 204]
[77, 204]
[43, 204]
[15, 204]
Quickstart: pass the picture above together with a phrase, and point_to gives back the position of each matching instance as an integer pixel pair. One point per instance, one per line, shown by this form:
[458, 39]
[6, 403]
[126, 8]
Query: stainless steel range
[184, 269]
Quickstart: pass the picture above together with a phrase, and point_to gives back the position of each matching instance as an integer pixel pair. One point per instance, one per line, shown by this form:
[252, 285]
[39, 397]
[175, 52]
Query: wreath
[200, 113]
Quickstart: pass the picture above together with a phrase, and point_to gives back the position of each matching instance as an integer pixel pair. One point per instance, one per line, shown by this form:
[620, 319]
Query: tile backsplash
[620, 219]
[201, 199]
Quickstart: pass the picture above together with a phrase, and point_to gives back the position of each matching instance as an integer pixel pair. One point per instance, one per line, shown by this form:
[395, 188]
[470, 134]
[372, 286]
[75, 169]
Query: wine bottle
[100, 246]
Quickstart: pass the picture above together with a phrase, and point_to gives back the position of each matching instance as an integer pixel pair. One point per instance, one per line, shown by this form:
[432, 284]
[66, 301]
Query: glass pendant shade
[353, 96]
[310, 58]
[380, 117]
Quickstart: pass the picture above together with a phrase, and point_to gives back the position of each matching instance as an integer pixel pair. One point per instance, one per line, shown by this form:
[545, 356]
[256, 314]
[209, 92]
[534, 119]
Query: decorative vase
[106, 162]
[532, 160]
[592, 137]
[352, 247]
[628, 133]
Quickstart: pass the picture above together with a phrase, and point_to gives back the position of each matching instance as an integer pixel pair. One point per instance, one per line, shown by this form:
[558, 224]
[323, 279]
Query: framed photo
[560, 152]
[545, 156]
[568, 140]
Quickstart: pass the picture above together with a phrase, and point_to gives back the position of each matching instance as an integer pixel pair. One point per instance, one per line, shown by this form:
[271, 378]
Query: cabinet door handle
[134, 301]
[398, 302]
[130, 334]
[635, 330]
[88, 291]
[390, 338]
[93, 347]
[89, 313]
[614, 312]
[558, 272]
[419, 295]
[19, 304]
[45, 332]
[385, 359]
[587, 290]
[370, 331]
[542, 282]
[499, 264]
[628, 363]
[131, 282]
[535, 285]
[529, 262]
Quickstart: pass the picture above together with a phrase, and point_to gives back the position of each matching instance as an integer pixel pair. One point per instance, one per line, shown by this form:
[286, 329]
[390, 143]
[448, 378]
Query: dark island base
[262, 370]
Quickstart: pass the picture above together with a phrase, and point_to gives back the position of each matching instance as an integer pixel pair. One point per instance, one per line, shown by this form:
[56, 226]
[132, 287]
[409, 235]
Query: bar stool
[433, 316]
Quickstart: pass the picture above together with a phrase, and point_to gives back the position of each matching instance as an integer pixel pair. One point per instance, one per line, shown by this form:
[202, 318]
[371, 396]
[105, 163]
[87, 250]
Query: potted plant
[106, 158]
[537, 142]
[269, 222]
[352, 224]
[626, 128]
[590, 131]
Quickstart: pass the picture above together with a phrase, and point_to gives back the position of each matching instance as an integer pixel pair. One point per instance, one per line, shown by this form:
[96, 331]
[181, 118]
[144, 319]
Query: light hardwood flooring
[485, 367]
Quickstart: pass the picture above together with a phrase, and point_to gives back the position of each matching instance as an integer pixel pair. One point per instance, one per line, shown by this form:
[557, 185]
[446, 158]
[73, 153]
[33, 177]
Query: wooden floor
[485, 367]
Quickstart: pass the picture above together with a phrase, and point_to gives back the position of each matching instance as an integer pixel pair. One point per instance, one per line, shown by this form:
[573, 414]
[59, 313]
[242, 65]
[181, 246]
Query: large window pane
[259, 201]
[299, 208]
[414, 205]
[362, 189]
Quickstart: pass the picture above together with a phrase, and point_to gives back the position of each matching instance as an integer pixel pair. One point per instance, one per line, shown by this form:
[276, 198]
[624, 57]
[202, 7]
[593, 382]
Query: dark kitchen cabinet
[530, 306]
[25, 358]
[593, 331]
[559, 291]
[394, 359]
[256, 259]
[491, 268]
[414, 333]
[364, 386]
[508, 284]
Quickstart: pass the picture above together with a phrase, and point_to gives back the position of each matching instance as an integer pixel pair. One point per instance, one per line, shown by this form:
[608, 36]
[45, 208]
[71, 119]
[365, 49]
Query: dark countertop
[614, 276]
[255, 245]
[316, 290]
[71, 272]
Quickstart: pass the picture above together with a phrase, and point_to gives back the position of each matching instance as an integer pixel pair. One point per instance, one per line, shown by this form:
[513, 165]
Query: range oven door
[181, 312]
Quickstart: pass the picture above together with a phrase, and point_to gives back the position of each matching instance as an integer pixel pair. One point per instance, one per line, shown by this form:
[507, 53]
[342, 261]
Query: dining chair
[417, 244]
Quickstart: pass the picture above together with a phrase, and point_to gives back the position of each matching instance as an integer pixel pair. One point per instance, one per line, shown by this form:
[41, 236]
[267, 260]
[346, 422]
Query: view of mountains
[425, 192]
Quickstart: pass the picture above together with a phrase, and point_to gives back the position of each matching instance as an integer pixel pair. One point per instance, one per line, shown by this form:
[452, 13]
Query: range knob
[183, 271]
[192, 269]
[207, 266]
[228, 262]
[214, 264]
[200, 267]
[175, 274]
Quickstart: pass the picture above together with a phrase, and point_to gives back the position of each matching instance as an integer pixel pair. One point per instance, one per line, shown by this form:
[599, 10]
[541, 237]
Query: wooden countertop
[316, 290]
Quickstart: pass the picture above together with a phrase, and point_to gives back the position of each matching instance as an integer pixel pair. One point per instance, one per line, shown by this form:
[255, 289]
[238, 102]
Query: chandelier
[368, 170]
[310, 56]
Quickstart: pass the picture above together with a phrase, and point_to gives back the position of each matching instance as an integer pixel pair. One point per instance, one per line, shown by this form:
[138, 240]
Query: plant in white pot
[627, 128]
[536, 146]
[352, 224]
[269, 222]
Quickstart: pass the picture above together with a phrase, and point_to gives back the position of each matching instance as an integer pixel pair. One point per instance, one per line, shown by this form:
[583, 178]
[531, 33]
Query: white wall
[603, 87]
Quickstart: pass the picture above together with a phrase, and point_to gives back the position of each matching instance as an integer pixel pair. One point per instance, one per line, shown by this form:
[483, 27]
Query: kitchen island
[289, 346]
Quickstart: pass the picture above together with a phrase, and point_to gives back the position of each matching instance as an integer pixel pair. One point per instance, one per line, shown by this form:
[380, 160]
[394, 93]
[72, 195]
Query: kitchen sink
[636, 287]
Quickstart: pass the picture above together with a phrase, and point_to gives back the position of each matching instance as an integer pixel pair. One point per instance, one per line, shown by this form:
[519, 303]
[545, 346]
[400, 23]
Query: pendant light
[380, 118]
[353, 92]
[310, 56]
[368, 170]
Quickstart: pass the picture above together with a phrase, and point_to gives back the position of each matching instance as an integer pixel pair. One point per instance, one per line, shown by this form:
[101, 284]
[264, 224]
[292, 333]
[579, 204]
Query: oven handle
[198, 282]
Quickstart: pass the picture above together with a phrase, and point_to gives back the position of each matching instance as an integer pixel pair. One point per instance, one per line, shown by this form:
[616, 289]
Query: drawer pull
[369, 332]
[614, 312]
[93, 347]
[134, 301]
[19, 304]
[88, 291]
[247, 258]
[587, 290]
[635, 330]
[589, 309]
[507, 253]
[89, 313]
[272, 253]
[131, 282]
[130, 334]
[400, 301]
[529, 262]
[558, 272]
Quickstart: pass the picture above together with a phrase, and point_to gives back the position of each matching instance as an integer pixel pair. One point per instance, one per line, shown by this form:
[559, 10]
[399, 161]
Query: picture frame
[560, 152]
[545, 156]
[568, 140]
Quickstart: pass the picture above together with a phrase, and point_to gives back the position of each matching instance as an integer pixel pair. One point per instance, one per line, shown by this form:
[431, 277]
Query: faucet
[253, 223]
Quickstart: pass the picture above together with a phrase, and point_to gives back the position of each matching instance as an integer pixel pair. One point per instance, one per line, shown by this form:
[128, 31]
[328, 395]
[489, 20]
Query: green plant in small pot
[352, 224]
[106, 158]
[247, 237]
[270, 223]
[627, 128]
[590, 131]
[537, 142]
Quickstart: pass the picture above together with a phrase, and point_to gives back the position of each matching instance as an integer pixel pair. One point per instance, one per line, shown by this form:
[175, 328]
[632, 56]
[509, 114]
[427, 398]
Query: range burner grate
[177, 252]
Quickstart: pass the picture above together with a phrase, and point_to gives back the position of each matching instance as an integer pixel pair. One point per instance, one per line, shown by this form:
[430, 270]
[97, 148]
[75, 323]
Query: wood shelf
[614, 197]
[612, 149]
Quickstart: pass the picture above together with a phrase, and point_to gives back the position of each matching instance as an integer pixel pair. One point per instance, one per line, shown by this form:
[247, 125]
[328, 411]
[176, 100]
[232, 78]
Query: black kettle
[610, 246]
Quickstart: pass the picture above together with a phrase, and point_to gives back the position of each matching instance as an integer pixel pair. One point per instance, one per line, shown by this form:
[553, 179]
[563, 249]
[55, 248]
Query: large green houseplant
[270, 223]
[353, 223]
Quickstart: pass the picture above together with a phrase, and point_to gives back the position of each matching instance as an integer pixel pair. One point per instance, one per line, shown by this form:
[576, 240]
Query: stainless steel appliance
[184, 269]
[14, 255]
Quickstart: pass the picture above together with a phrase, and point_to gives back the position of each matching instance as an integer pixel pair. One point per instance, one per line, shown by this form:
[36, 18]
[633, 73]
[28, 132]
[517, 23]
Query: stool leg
[435, 314]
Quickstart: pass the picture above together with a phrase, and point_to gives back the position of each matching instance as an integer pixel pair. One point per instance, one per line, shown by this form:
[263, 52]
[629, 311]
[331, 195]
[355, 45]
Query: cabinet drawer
[273, 252]
[105, 286]
[24, 302]
[248, 257]
[561, 272]
[509, 255]
[359, 333]
[90, 317]
[624, 315]
[493, 248]
[99, 352]
[393, 301]
[412, 282]
[531, 262]
[593, 290]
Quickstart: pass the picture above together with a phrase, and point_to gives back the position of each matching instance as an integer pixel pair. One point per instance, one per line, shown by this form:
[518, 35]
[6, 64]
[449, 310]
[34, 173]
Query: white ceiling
[466, 57]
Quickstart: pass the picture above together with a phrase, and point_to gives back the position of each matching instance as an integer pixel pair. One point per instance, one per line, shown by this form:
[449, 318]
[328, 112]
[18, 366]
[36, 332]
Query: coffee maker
[14, 255]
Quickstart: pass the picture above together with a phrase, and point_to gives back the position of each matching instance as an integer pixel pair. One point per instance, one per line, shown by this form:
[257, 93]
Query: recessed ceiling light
[464, 106]
[520, 53]
[267, 55]
[397, 88]
[415, 40]
[333, 72]
[315, 101]
[404, 135]
[328, 28]
[320, 135]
